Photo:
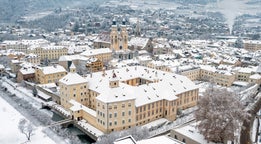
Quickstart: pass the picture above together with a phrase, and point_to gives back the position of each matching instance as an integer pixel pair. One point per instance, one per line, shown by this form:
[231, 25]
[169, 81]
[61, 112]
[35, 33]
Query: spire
[123, 21]
[137, 33]
[72, 68]
[114, 81]
[114, 21]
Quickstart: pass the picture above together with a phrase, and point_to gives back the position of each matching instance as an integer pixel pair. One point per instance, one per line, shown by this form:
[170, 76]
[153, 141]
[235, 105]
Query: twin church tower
[119, 41]
[119, 36]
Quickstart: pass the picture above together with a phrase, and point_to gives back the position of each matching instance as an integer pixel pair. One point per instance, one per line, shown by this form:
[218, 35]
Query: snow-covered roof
[160, 140]
[191, 131]
[72, 57]
[78, 106]
[168, 85]
[245, 70]
[72, 79]
[2, 66]
[125, 140]
[52, 69]
[138, 41]
[26, 71]
[94, 52]
[25, 42]
[72, 66]
[255, 76]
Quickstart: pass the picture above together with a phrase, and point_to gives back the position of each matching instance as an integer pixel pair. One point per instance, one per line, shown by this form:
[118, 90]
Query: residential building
[22, 45]
[102, 41]
[139, 43]
[15, 66]
[189, 134]
[73, 87]
[103, 54]
[26, 74]
[49, 74]
[252, 45]
[32, 58]
[50, 52]
[94, 65]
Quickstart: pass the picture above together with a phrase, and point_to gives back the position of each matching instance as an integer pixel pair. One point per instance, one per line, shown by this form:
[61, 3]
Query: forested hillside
[12, 10]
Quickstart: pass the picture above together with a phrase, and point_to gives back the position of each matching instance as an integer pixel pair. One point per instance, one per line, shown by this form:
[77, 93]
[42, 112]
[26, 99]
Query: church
[119, 41]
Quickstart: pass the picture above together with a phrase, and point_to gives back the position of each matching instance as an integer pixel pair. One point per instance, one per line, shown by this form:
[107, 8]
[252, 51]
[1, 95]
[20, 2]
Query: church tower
[137, 30]
[114, 36]
[119, 36]
[114, 81]
[72, 68]
[124, 36]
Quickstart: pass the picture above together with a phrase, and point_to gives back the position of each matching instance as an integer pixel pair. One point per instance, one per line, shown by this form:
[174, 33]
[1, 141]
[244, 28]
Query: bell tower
[114, 81]
[114, 36]
[124, 35]
[137, 30]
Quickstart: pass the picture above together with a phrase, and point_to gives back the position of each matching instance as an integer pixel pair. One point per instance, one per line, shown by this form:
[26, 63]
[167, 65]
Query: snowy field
[10, 134]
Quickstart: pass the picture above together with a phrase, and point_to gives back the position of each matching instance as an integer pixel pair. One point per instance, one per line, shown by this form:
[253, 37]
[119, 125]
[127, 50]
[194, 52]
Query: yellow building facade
[49, 52]
[122, 98]
[252, 45]
[49, 74]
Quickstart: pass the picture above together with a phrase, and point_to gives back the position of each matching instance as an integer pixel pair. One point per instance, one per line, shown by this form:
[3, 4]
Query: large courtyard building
[118, 99]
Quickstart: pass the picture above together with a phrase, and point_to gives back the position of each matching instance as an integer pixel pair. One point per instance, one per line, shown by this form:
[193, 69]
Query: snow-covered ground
[10, 134]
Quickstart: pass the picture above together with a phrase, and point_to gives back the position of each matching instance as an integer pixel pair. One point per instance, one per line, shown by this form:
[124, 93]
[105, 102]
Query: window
[110, 115]
[123, 113]
[110, 123]
[129, 112]
[129, 120]
[115, 114]
[184, 140]
[123, 121]
[115, 122]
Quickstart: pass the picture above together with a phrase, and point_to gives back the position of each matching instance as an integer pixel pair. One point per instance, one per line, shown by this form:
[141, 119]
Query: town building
[252, 45]
[32, 58]
[102, 41]
[49, 74]
[26, 74]
[103, 54]
[22, 45]
[49, 52]
[189, 134]
[132, 96]
[94, 65]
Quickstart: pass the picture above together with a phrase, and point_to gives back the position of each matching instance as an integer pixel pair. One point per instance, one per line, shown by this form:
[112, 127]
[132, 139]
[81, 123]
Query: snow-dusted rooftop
[52, 69]
[78, 106]
[190, 131]
[94, 52]
[72, 79]
[160, 140]
[164, 85]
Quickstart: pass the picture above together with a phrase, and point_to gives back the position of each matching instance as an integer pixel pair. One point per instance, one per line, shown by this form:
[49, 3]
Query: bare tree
[26, 128]
[220, 115]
